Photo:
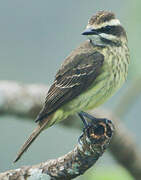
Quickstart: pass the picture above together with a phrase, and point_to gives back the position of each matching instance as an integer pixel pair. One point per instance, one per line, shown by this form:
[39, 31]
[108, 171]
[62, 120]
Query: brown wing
[75, 76]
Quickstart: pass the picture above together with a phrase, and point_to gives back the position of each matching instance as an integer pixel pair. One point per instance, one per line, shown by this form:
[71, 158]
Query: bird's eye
[108, 27]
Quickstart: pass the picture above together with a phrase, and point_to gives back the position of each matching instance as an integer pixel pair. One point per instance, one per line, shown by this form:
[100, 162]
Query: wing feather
[71, 80]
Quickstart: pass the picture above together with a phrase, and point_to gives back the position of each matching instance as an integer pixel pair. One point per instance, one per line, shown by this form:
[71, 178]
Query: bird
[89, 76]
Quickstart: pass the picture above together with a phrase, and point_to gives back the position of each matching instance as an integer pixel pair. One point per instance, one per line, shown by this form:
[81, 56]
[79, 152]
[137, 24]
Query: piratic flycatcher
[89, 75]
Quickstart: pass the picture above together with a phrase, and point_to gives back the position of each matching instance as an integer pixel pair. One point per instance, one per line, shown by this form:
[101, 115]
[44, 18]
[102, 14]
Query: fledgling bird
[89, 75]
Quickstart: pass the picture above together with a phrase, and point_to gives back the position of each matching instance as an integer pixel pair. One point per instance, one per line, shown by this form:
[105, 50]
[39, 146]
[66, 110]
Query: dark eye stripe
[114, 30]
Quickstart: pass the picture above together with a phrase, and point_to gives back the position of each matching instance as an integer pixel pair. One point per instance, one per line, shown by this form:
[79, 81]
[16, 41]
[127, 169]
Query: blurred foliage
[116, 173]
[133, 32]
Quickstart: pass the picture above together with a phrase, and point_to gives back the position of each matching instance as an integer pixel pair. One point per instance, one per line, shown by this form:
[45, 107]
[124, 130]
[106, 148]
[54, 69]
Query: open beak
[90, 31]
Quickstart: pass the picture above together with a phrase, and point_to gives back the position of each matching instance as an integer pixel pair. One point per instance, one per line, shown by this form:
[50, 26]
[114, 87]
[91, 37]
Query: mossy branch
[26, 101]
[94, 140]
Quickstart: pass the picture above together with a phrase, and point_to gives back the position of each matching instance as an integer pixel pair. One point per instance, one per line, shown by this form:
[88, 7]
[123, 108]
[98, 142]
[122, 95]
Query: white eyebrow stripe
[108, 36]
[113, 22]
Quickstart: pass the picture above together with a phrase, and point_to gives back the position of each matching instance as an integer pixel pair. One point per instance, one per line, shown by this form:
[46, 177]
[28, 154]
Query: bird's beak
[90, 31]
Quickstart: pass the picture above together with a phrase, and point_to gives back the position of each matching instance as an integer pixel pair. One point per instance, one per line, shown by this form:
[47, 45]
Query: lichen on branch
[94, 141]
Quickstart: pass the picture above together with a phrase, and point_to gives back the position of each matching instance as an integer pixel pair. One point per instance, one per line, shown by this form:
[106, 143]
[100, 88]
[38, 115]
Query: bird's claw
[85, 130]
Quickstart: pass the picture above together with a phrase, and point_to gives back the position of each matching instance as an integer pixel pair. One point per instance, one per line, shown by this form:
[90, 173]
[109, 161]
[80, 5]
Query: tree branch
[129, 98]
[123, 146]
[21, 100]
[94, 141]
[126, 151]
[26, 101]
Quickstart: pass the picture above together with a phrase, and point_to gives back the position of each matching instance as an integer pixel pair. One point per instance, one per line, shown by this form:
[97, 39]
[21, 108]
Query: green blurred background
[35, 37]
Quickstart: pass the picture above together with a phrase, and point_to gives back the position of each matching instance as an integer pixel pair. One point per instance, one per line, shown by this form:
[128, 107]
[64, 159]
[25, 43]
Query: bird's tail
[43, 124]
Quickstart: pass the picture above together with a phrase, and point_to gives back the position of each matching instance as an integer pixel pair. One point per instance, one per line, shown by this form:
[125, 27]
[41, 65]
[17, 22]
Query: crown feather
[101, 17]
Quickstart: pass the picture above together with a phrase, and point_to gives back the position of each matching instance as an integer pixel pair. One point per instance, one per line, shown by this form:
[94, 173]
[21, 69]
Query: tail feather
[32, 137]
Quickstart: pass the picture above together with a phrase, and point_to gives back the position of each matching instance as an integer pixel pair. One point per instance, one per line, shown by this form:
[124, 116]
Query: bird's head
[104, 29]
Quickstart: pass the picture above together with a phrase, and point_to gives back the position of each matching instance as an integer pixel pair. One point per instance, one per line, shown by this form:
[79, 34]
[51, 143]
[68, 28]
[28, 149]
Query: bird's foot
[93, 120]
[82, 116]
[86, 130]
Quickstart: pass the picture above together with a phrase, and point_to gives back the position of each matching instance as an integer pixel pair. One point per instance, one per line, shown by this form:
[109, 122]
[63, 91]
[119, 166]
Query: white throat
[96, 40]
